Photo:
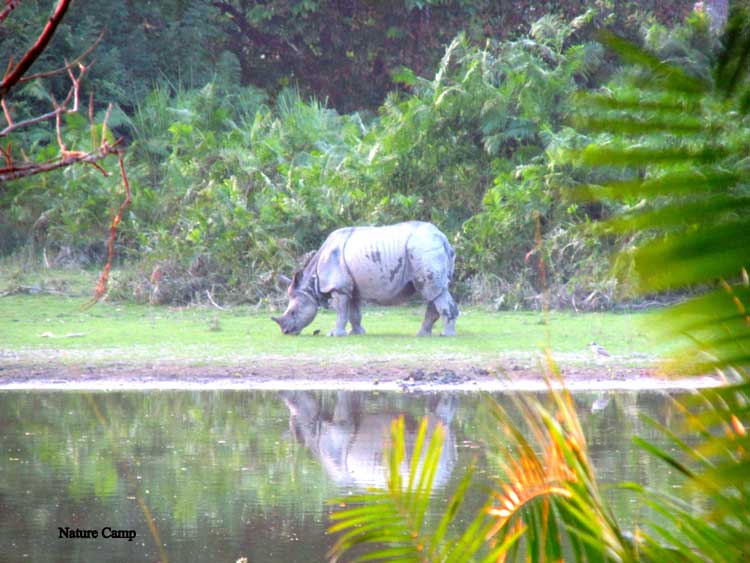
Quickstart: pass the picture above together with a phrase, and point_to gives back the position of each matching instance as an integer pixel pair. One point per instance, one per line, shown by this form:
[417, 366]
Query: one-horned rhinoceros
[385, 265]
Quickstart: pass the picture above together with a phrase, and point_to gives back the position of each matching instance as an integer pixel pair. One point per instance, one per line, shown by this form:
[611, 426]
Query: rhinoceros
[385, 265]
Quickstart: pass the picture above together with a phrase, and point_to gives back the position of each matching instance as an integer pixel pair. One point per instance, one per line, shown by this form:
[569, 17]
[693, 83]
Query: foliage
[524, 121]
[681, 142]
[548, 504]
[233, 184]
[673, 152]
[717, 466]
[536, 491]
[345, 53]
[396, 517]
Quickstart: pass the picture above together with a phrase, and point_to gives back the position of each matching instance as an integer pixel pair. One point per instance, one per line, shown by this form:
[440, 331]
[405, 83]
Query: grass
[52, 327]
[55, 327]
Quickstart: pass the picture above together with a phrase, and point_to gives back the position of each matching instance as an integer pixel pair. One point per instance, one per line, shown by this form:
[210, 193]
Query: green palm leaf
[676, 154]
[392, 524]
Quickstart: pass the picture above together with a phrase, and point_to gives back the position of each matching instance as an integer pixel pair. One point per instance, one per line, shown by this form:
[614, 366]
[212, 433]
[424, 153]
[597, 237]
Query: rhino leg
[430, 316]
[355, 316]
[340, 303]
[448, 309]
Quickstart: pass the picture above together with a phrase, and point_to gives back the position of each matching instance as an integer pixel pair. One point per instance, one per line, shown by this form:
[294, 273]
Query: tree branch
[11, 78]
[68, 66]
[73, 94]
[101, 286]
[15, 75]
[10, 5]
[26, 169]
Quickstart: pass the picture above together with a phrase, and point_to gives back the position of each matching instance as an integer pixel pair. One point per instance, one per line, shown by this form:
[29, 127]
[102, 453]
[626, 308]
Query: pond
[231, 474]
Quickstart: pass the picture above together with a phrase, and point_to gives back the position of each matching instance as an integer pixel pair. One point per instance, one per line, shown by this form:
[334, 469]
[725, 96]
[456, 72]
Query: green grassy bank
[36, 327]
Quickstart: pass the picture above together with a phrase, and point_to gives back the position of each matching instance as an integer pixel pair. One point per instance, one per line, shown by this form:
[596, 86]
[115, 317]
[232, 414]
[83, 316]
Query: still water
[231, 474]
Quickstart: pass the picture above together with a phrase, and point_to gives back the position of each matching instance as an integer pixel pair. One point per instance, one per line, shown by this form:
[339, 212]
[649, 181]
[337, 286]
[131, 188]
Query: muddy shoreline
[284, 375]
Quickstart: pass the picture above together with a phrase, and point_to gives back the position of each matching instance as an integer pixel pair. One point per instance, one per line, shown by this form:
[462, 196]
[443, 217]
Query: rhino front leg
[341, 304]
[448, 309]
[355, 316]
[430, 316]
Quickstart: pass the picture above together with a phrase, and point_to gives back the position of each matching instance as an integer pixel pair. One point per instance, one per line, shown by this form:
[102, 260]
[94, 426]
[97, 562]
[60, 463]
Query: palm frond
[549, 486]
[392, 524]
[675, 151]
[716, 465]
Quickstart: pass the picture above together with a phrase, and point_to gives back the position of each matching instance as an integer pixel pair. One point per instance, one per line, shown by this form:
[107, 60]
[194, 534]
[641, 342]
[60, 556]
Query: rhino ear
[285, 280]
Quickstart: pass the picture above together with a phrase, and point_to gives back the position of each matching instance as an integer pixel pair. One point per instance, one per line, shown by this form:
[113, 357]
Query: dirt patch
[314, 375]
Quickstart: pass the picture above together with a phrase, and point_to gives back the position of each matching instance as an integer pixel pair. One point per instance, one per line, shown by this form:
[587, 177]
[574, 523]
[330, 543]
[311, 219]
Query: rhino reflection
[350, 443]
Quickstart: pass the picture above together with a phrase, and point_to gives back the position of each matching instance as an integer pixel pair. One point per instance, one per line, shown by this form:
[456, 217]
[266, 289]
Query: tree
[348, 51]
[16, 75]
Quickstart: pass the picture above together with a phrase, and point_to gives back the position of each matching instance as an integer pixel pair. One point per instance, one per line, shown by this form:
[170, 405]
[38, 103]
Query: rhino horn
[277, 320]
[285, 280]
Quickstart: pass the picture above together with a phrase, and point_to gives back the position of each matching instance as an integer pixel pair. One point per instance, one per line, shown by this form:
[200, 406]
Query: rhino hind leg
[448, 309]
[355, 316]
[430, 316]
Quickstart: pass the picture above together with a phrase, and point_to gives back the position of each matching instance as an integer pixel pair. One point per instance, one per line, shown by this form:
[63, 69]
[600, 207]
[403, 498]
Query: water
[231, 474]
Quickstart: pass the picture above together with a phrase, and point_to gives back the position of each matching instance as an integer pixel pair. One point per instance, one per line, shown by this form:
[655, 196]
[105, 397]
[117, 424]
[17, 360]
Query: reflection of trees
[219, 467]
[196, 454]
[350, 442]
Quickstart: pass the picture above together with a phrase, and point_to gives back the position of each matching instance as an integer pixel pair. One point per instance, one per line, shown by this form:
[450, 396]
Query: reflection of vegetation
[189, 454]
[221, 473]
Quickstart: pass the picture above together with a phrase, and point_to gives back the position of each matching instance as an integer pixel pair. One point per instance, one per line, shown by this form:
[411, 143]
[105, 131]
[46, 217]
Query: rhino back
[377, 260]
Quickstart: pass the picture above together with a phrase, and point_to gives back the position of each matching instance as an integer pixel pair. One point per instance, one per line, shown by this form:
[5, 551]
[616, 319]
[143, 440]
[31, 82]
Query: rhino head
[302, 307]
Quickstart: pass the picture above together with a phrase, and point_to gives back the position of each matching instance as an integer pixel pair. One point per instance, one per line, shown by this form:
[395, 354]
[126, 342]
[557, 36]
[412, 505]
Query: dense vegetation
[239, 167]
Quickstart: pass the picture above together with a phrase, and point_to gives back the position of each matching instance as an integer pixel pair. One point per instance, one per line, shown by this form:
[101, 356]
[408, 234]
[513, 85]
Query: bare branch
[16, 74]
[6, 152]
[6, 113]
[104, 123]
[69, 158]
[79, 59]
[10, 79]
[94, 141]
[101, 286]
[73, 94]
[58, 120]
[10, 5]
[25, 123]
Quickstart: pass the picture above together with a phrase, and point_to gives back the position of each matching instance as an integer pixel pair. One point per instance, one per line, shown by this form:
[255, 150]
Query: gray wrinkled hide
[385, 265]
